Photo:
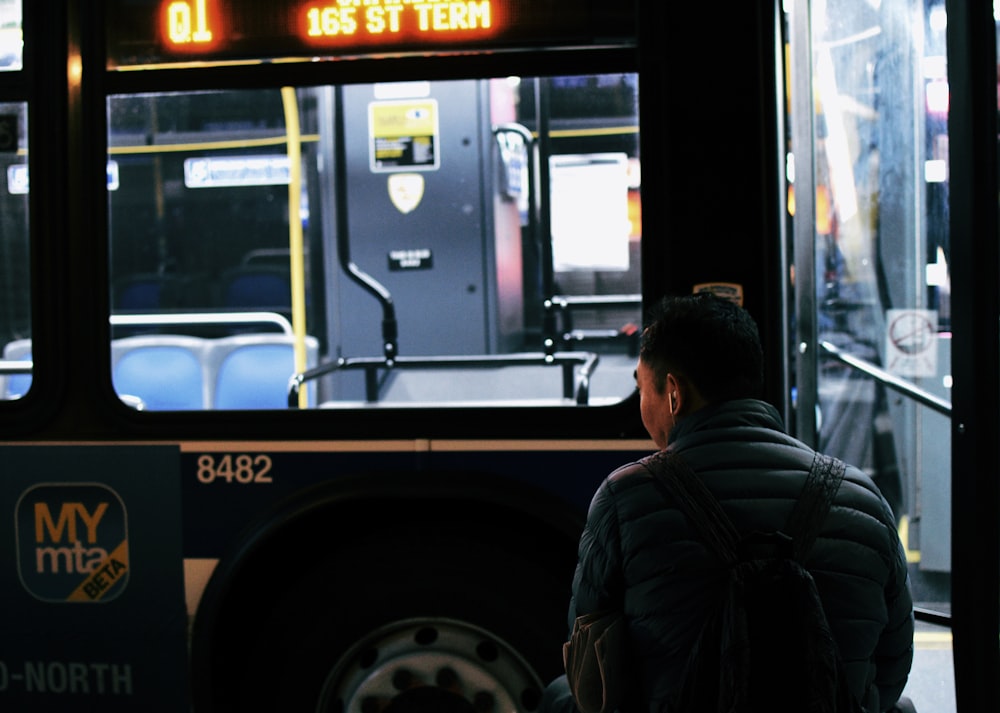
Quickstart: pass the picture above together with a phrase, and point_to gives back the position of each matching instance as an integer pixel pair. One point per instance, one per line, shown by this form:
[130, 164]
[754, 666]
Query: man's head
[696, 350]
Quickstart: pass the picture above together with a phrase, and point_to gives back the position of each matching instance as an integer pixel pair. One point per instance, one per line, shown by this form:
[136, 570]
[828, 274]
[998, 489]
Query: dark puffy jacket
[638, 554]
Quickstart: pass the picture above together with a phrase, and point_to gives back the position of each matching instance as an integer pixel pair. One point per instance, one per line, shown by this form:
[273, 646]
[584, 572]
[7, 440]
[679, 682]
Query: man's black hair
[711, 341]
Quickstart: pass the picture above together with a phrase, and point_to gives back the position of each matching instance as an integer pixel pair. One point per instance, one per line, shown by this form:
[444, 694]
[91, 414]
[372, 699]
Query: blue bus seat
[251, 371]
[14, 386]
[138, 292]
[165, 371]
[257, 287]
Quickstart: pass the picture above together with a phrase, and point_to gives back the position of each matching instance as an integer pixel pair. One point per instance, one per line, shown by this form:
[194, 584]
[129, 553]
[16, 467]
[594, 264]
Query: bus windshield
[415, 243]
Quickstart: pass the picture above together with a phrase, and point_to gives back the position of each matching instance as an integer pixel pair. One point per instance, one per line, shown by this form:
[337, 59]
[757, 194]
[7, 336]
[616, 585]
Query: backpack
[766, 645]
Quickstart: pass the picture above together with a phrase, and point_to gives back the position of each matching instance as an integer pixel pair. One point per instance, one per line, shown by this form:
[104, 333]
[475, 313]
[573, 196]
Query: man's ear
[682, 396]
[675, 394]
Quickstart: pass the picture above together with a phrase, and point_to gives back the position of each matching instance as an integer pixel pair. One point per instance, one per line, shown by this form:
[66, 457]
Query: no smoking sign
[911, 342]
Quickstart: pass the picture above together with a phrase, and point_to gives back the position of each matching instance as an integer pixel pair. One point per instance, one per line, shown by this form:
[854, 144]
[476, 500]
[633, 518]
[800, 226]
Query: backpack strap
[675, 479]
[814, 503]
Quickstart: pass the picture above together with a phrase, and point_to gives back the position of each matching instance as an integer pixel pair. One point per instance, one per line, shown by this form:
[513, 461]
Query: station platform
[931, 685]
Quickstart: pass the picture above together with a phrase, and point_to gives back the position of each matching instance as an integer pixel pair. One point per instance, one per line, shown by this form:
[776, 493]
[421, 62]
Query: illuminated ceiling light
[938, 17]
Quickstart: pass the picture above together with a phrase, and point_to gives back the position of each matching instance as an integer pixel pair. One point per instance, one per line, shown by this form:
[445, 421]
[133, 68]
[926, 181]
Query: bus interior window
[408, 235]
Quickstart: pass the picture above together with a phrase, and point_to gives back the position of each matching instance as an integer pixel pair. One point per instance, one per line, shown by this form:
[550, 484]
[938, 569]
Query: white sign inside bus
[17, 178]
[216, 172]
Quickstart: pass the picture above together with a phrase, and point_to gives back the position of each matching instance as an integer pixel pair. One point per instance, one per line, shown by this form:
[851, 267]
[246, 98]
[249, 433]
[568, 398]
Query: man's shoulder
[859, 492]
[630, 470]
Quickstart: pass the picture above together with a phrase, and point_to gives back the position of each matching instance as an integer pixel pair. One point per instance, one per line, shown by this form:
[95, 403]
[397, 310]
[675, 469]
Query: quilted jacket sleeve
[597, 583]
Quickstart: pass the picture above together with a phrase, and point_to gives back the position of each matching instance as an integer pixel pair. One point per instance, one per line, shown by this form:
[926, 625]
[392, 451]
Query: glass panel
[11, 43]
[15, 285]
[880, 283]
[404, 234]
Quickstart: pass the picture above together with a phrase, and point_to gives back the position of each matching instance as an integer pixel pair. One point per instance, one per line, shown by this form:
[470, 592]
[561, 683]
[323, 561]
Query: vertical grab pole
[550, 341]
[803, 131]
[390, 329]
[295, 243]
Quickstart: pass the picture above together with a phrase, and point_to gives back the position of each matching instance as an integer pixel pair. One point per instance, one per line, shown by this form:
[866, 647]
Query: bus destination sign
[197, 24]
[149, 32]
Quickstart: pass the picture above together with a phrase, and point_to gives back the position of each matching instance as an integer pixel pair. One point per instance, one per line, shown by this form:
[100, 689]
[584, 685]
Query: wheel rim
[423, 665]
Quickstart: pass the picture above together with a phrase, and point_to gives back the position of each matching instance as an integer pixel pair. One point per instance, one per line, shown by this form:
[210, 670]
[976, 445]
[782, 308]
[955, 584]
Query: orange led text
[377, 17]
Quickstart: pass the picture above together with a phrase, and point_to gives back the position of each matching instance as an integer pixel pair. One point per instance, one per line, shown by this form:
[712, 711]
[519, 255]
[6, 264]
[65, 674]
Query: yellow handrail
[295, 245]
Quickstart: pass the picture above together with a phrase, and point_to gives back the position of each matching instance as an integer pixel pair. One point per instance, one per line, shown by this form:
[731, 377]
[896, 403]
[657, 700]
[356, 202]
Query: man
[700, 377]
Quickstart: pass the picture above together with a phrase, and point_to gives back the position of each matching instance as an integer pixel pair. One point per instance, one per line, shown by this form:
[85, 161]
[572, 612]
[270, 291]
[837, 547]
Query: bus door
[868, 168]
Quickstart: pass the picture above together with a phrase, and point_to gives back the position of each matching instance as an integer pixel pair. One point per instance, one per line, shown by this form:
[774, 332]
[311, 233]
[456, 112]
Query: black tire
[275, 626]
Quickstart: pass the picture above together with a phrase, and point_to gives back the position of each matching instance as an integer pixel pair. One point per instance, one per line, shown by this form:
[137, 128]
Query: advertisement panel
[92, 582]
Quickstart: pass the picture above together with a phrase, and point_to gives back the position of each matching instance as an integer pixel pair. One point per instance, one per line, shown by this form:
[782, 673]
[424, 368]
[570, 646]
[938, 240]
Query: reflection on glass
[882, 280]
[404, 234]
[15, 286]
[11, 42]
[882, 251]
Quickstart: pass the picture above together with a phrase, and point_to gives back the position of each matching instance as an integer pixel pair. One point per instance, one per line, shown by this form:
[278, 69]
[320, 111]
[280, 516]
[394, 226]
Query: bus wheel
[428, 665]
[339, 615]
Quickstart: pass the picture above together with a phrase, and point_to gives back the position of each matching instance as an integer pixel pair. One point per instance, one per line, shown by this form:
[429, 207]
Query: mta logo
[72, 542]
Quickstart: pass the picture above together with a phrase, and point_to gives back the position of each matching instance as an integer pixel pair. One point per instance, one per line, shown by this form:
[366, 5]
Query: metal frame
[975, 253]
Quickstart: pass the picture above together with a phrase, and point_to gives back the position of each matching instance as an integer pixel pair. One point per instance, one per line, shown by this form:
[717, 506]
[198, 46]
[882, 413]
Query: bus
[319, 321]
